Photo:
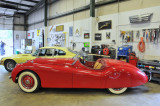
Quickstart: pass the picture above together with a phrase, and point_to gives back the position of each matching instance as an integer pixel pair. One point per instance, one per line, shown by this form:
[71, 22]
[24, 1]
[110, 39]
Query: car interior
[99, 64]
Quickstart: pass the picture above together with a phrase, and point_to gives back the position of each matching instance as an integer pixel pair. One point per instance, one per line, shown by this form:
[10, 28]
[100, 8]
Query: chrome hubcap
[10, 65]
[27, 82]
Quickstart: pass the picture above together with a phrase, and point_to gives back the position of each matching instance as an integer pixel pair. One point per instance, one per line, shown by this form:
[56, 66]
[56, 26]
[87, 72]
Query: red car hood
[60, 61]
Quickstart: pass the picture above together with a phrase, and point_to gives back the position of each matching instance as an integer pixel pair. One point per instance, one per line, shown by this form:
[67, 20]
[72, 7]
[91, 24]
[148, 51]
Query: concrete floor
[11, 95]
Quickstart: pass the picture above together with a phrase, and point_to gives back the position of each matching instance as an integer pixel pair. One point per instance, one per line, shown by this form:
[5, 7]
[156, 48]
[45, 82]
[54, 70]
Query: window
[60, 52]
[42, 52]
[36, 53]
[49, 52]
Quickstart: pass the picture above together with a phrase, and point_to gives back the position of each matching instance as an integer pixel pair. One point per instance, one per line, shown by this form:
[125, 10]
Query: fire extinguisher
[105, 51]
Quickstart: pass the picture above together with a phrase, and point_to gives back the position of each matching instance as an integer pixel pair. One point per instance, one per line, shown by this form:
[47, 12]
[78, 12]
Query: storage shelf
[156, 79]
[151, 71]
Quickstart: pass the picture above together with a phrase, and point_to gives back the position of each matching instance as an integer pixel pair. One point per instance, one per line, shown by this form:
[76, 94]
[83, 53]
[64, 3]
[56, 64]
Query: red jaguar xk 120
[114, 75]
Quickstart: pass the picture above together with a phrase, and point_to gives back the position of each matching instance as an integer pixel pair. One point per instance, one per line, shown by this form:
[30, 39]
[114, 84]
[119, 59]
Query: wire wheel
[9, 65]
[28, 81]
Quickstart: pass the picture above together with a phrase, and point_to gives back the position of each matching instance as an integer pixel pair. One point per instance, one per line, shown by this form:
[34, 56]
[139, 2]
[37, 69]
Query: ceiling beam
[9, 16]
[12, 7]
[32, 1]
[51, 2]
[19, 13]
[35, 7]
[16, 3]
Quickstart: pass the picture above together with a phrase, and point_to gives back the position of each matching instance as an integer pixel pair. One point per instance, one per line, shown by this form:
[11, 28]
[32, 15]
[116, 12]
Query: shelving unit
[150, 67]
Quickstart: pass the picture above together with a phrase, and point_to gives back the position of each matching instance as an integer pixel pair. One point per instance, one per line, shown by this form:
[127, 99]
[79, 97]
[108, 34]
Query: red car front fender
[120, 76]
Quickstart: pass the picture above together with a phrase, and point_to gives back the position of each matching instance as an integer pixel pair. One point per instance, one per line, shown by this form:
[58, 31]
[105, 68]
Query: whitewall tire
[28, 81]
[117, 90]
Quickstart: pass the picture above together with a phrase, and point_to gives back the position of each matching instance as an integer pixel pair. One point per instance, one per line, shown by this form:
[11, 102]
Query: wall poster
[105, 25]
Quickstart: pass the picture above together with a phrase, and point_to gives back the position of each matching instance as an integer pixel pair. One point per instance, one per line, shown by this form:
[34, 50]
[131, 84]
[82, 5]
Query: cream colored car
[44, 52]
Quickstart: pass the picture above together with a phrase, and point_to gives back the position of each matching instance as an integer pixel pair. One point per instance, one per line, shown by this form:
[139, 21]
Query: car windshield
[35, 53]
[78, 55]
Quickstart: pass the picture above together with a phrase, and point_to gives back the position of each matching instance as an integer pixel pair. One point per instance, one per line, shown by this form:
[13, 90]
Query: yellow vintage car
[46, 52]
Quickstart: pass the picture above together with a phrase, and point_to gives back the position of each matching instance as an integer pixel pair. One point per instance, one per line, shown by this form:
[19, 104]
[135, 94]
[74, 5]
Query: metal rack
[150, 67]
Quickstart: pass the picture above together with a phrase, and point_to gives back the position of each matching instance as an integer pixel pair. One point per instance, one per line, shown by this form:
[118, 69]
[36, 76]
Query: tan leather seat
[97, 65]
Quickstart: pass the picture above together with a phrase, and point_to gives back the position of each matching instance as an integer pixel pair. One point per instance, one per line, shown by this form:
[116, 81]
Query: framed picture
[86, 35]
[105, 25]
[98, 36]
[108, 35]
[59, 28]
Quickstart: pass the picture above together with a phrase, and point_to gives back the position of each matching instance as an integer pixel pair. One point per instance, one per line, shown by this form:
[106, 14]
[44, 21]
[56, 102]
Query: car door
[84, 77]
[56, 75]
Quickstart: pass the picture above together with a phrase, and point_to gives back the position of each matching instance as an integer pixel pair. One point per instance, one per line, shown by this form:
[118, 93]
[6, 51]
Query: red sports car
[114, 75]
